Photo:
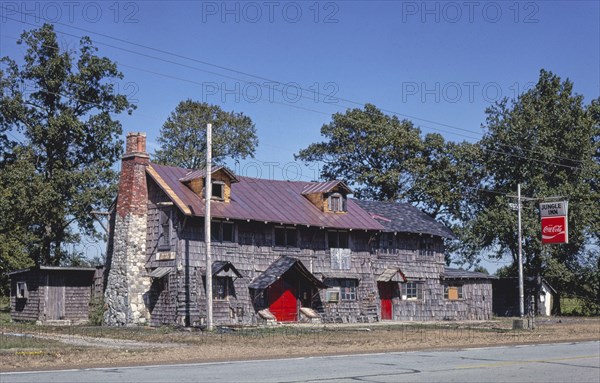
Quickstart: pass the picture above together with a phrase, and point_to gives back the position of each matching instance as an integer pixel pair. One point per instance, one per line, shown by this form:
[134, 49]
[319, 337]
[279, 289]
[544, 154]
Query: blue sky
[438, 63]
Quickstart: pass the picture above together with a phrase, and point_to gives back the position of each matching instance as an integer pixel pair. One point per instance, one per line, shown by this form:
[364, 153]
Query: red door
[283, 302]
[386, 291]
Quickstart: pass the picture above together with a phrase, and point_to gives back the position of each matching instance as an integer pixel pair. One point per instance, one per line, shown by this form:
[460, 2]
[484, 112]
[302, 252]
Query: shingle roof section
[324, 187]
[450, 273]
[263, 200]
[403, 217]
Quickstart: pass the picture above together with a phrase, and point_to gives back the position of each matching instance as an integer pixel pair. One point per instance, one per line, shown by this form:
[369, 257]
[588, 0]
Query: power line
[272, 81]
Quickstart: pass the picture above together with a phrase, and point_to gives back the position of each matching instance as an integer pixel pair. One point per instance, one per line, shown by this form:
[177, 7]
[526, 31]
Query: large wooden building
[282, 250]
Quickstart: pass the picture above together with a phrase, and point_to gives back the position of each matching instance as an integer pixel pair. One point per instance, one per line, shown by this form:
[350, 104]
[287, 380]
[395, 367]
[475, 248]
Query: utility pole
[207, 233]
[521, 292]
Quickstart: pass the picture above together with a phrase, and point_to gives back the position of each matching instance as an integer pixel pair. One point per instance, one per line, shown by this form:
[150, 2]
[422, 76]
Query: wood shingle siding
[53, 293]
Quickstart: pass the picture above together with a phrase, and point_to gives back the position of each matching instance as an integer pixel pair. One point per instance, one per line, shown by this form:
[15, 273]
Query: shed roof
[54, 268]
[404, 217]
[280, 267]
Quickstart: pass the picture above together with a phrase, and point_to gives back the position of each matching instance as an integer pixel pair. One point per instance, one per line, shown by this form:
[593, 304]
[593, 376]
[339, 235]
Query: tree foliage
[547, 140]
[387, 159]
[183, 136]
[58, 141]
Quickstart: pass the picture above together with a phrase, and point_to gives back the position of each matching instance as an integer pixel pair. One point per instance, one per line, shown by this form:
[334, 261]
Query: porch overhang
[392, 274]
[160, 272]
[281, 266]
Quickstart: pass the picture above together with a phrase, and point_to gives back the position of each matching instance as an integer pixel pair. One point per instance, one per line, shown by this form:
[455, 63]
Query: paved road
[567, 362]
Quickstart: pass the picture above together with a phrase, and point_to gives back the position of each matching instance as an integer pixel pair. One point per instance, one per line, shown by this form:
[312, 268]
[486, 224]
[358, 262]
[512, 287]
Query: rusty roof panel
[265, 200]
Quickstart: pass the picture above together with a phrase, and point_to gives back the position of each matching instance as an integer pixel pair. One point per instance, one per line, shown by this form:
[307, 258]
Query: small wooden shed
[47, 294]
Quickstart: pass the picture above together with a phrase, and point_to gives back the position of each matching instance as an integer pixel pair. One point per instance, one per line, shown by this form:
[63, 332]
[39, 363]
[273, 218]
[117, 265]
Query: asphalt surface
[563, 362]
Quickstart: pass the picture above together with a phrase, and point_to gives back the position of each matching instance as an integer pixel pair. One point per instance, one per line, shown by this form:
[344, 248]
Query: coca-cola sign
[555, 230]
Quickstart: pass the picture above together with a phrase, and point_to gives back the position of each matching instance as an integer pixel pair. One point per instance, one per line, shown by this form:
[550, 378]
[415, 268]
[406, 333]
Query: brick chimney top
[135, 145]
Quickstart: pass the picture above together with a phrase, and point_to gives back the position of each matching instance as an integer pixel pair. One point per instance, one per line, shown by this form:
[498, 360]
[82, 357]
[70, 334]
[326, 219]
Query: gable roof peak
[325, 187]
[193, 174]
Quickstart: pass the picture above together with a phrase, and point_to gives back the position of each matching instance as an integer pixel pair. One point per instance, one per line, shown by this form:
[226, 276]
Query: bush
[96, 315]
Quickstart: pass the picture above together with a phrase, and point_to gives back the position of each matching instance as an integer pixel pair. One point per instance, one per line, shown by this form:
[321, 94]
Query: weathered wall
[26, 309]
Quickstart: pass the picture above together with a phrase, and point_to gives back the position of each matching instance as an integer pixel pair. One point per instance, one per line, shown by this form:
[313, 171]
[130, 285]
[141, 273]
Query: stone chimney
[127, 282]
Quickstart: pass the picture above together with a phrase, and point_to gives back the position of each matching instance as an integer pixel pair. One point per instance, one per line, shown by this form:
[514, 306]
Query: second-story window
[338, 239]
[337, 202]
[221, 231]
[286, 236]
[164, 229]
[426, 246]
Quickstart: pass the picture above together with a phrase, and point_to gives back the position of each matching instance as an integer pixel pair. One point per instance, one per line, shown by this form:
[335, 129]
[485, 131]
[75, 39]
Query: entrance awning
[393, 274]
[160, 272]
[225, 269]
[280, 267]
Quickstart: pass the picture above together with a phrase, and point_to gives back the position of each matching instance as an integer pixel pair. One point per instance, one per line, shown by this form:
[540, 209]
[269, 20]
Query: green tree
[547, 141]
[385, 158]
[58, 141]
[183, 136]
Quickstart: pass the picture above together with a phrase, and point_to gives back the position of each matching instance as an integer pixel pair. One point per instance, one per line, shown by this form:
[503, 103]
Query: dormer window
[221, 181]
[329, 197]
[218, 190]
[337, 202]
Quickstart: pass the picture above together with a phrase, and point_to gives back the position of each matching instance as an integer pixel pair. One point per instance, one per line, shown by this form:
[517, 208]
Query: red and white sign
[555, 230]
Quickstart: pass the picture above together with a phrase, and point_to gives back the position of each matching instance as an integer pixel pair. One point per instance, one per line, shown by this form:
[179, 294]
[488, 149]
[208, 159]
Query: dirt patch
[165, 346]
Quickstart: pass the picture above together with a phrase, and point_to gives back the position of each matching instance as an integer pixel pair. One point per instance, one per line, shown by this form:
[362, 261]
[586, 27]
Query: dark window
[412, 290]
[221, 231]
[386, 241]
[222, 288]
[21, 290]
[218, 190]
[165, 226]
[337, 202]
[286, 237]
[426, 246]
[338, 239]
[453, 291]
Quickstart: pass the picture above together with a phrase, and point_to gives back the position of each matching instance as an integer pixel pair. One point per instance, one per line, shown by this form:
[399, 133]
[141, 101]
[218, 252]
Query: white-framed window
[338, 239]
[412, 290]
[453, 291]
[22, 292]
[337, 202]
[341, 289]
[165, 226]
[285, 236]
[222, 231]
[348, 289]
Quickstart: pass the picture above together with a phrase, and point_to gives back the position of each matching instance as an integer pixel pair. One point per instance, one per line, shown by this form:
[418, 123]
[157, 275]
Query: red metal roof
[262, 200]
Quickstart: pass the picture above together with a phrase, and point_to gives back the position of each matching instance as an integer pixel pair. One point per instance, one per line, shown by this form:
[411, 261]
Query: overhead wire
[352, 102]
